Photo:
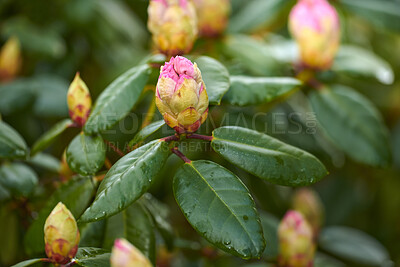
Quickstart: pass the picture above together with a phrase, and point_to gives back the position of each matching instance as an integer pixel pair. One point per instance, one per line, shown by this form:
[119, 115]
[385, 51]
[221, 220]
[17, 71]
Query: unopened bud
[61, 235]
[173, 24]
[10, 59]
[307, 202]
[124, 254]
[79, 101]
[181, 95]
[315, 26]
[212, 16]
[296, 246]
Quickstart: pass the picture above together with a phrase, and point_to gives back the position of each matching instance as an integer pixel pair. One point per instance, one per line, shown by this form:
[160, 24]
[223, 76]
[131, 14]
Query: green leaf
[48, 138]
[75, 194]
[160, 213]
[353, 245]
[216, 78]
[46, 161]
[218, 205]
[18, 178]
[382, 13]
[322, 260]
[139, 230]
[257, 14]
[15, 96]
[353, 123]
[11, 143]
[270, 228]
[247, 90]
[127, 180]
[267, 157]
[86, 154]
[27, 263]
[4, 193]
[92, 234]
[117, 99]
[146, 132]
[92, 257]
[363, 64]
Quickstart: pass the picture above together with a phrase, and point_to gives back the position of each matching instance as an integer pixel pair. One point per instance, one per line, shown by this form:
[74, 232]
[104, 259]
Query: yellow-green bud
[61, 235]
[181, 95]
[296, 246]
[307, 202]
[173, 24]
[212, 16]
[10, 59]
[124, 254]
[79, 101]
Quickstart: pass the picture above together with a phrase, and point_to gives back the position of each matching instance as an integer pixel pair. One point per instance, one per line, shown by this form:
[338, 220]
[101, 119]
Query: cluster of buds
[79, 101]
[10, 59]
[296, 246]
[61, 235]
[124, 254]
[315, 26]
[307, 202]
[181, 95]
[212, 16]
[173, 24]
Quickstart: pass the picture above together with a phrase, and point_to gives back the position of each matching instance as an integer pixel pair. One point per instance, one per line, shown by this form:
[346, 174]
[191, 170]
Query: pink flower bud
[79, 101]
[307, 202]
[61, 235]
[173, 24]
[181, 95]
[296, 247]
[315, 26]
[124, 254]
[10, 59]
[212, 16]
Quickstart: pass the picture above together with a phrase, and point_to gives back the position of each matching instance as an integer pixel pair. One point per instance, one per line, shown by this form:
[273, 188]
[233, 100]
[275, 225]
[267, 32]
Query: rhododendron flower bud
[307, 202]
[61, 235]
[10, 59]
[296, 247]
[212, 16]
[315, 26]
[181, 95]
[79, 101]
[173, 24]
[124, 254]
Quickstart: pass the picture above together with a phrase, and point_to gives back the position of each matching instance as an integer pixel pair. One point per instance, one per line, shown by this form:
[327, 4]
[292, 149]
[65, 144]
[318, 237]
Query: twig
[200, 137]
[171, 138]
[176, 151]
[116, 149]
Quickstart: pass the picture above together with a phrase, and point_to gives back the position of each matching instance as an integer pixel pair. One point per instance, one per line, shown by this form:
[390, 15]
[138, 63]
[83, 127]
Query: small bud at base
[212, 16]
[79, 101]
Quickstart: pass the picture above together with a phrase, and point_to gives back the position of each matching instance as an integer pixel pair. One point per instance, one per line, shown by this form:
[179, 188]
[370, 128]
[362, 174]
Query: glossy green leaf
[11, 143]
[267, 157]
[353, 245]
[114, 228]
[146, 132]
[92, 257]
[86, 154]
[353, 123]
[257, 14]
[75, 194]
[18, 178]
[127, 180]
[160, 213]
[245, 90]
[48, 138]
[27, 263]
[218, 205]
[382, 13]
[46, 162]
[92, 234]
[139, 230]
[216, 78]
[270, 226]
[117, 99]
[362, 63]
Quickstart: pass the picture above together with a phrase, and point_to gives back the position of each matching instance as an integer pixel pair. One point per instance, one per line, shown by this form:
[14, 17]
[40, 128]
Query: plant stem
[200, 137]
[171, 138]
[176, 151]
[116, 149]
